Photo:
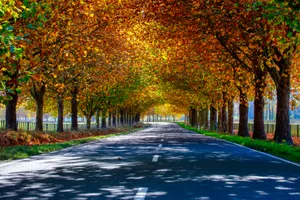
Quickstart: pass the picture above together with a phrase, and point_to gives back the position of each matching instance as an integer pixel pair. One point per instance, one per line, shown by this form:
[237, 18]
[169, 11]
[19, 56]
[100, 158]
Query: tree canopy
[135, 55]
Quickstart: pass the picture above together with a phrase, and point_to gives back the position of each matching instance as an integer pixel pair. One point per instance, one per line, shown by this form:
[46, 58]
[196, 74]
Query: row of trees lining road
[90, 57]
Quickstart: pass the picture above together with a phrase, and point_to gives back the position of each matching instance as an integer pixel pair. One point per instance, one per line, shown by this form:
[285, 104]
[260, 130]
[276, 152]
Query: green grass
[19, 152]
[285, 151]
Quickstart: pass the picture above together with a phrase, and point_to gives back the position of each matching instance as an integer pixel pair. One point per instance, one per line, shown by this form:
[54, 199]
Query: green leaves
[26, 3]
[290, 34]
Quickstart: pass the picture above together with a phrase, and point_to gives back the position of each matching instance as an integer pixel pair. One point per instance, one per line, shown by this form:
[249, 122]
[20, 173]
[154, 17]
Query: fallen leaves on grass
[13, 138]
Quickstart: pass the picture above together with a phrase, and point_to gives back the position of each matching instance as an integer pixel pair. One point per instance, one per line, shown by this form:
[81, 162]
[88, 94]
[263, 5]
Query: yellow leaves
[85, 53]
[59, 87]
[3, 69]
[96, 49]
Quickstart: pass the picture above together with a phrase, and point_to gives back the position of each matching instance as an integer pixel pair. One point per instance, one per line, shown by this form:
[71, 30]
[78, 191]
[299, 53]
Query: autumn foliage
[121, 58]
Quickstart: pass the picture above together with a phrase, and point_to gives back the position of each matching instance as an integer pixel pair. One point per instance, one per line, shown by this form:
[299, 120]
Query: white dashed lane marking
[155, 158]
[141, 194]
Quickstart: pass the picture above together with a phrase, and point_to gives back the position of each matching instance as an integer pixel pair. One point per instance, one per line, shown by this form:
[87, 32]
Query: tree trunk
[282, 131]
[126, 118]
[114, 118]
[230, 116]
[220, 120]
[39, 114]
[132, 119]
[205, 118]
[74, 109]
[137, 118]
[224, 118]
[118, 117]
[11, 112]
[259, 102]
[109, 119]
[103, 119]
[98, 119]
[38, 95]
[60, 117]
[122, 117]
[193, 117]
[213, 118]
[88, 122]
[129, 119]
[200, 118]
[243, 120]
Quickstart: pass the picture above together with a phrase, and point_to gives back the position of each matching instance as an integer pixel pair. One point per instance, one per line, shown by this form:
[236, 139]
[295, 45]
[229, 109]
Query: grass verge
[285, 151]
[19, 152]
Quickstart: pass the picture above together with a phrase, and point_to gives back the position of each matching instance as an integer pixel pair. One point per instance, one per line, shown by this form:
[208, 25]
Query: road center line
[155, 158]
[141, 194]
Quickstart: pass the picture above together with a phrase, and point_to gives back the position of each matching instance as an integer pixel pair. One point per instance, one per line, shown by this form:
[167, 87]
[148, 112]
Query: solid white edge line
[266, 154]
[155, 158]
[9, 163]
[141, 194]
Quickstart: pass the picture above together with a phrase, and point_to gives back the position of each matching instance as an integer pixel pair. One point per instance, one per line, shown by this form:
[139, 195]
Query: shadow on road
[190, 166]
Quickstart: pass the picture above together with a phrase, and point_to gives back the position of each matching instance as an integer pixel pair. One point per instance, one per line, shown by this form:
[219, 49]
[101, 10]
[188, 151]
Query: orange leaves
[59, 87]
[37, 77]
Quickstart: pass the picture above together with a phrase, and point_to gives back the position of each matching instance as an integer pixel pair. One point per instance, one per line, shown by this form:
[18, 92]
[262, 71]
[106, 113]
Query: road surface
[161, 162]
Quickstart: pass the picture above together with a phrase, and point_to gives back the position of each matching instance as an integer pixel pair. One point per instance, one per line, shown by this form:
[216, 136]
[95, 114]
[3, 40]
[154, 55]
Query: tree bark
[220, 119]
[118, 117]
[114, 118]
[213, 118]
[259, 102]
[38, 95]
[224, 118]
[88, 122]
[205, 118]
[126, 118]
[122, 117]
[137, 118]
[282, 130]
[60, 117]
[200, 118]
[129, 119]
[103, 119]
[193, 117]
[11, 112]
[243, 120]
[132, 119]
[98, 119]
[109, 119]
[74, 109]
[230, 116]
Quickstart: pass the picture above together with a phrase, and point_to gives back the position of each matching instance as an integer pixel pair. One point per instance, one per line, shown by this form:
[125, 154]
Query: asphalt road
[161, 162]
